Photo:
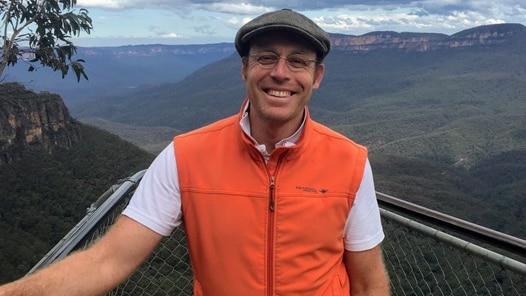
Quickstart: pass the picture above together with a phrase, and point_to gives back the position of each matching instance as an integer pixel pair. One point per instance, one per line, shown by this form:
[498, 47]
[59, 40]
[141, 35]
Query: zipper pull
[271, 194]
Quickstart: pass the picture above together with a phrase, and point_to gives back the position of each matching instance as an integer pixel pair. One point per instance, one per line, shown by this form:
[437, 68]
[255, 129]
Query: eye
[267, 59]
[297, 61]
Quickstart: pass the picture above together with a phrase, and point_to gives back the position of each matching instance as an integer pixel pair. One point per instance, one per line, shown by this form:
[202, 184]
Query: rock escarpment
[489, 35]
[32, 121]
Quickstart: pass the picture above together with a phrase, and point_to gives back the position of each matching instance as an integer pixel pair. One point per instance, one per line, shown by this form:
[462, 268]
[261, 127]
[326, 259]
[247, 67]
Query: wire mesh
[417, 265]
[421, 265]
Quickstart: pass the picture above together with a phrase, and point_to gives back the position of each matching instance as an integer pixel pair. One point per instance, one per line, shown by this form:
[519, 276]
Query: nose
[281, 68]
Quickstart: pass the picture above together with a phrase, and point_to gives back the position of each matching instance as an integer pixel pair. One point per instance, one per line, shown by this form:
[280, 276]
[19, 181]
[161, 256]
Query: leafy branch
[44, 27]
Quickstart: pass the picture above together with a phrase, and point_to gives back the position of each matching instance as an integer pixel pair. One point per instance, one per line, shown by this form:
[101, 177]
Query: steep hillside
[207, 94]
[114, 70]
[54, 167]
[425, 115]
[454, 105]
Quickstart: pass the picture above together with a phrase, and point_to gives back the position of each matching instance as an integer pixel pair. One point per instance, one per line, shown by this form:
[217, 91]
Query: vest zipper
[272, 204]
[271, 194]
[270, 261]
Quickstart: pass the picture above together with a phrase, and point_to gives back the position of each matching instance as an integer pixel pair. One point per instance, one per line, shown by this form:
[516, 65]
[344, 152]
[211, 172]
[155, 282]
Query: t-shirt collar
[287, 142]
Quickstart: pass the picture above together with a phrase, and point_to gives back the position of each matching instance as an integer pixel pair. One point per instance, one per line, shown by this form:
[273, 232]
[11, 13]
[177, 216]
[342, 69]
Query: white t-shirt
[157, 201]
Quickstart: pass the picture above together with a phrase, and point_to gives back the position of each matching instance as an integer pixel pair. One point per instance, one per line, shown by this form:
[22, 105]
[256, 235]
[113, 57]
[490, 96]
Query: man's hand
[94, 271]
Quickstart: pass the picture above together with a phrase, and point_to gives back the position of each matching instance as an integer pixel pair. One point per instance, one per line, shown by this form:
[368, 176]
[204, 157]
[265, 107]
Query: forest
[44, 195]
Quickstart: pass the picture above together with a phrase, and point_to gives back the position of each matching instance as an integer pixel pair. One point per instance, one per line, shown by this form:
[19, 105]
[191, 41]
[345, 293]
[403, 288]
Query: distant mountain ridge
[158, 50]
[377, 62]
[435, 122]
[115, 70]
[477, 36]
[488, 35]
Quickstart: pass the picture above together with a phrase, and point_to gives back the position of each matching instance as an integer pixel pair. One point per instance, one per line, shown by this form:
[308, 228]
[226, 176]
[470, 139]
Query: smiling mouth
[279, 93]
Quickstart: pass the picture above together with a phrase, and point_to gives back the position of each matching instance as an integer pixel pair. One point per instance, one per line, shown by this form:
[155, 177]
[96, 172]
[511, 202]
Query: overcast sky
[126, 22]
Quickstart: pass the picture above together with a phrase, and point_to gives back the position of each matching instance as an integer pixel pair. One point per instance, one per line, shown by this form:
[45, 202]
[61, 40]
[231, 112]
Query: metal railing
[426, 252]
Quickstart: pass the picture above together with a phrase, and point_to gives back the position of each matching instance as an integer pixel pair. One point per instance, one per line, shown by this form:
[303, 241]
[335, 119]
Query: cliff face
[150, 50]
[480, 36]
[31, 122]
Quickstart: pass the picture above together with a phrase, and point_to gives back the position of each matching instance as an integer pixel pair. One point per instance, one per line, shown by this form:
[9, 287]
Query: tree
[44, 28]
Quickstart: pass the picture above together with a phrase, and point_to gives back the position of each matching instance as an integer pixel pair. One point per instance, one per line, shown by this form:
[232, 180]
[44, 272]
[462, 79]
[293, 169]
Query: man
[273, 203]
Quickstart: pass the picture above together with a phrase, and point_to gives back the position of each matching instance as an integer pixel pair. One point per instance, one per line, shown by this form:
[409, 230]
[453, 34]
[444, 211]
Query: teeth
[279, 93]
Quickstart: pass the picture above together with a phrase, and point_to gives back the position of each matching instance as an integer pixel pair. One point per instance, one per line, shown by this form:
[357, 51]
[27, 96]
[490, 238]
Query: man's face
[279, 92]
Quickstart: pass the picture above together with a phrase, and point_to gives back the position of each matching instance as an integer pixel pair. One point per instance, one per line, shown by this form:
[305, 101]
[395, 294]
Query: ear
[318, 75]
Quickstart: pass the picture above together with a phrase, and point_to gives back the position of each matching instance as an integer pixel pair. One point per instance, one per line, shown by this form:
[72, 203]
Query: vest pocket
[197, 289]
[335, 288]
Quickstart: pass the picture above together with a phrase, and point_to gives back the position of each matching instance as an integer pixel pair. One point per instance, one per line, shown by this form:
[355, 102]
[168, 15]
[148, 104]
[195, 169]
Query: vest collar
[294, 142]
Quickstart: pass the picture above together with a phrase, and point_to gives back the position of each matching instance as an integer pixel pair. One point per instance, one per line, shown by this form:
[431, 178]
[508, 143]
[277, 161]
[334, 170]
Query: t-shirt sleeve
[157, 201]
[363, 229]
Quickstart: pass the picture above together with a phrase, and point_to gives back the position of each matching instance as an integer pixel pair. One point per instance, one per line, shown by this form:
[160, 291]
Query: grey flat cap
[286, 20]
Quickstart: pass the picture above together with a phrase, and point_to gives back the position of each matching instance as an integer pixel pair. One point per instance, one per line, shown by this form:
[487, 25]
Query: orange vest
[267, 229]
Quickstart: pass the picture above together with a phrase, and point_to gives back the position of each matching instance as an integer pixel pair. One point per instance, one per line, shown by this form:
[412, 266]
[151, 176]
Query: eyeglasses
[295, 62]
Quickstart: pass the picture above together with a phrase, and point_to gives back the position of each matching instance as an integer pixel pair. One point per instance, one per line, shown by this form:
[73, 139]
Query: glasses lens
[267, 59]
[295, 62]
[298, 61]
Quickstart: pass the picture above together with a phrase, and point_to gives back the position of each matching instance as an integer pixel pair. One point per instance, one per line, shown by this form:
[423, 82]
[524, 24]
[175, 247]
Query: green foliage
[43, 195]
[152, 139]
[490, 194]
[433, 121]
[206, 95]
[445, 130]
[46, 26]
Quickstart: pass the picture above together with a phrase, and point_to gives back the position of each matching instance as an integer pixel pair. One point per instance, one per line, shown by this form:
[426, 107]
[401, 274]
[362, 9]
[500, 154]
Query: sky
[133, 22]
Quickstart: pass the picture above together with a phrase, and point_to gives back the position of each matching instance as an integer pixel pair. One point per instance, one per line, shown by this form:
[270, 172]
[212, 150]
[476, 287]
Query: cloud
[483, 7]
[131, 4]
[158, 32]
[232, 6]
[491, 9]
[204, 29]
[170, 36]
[113, 4]
[206, 20]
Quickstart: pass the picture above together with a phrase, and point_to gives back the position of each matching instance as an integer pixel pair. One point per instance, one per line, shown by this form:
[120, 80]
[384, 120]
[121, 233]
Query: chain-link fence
[425, 261]
[419, 261]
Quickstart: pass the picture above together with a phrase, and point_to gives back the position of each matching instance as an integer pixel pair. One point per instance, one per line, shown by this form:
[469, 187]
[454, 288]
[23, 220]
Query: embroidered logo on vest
[311, 189]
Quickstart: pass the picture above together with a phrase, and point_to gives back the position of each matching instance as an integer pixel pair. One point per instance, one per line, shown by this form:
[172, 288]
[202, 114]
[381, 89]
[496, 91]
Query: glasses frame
[308, 61]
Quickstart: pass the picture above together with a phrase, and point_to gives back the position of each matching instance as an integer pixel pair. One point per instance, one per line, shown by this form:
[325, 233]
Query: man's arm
[367, 273]
[96, 270]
